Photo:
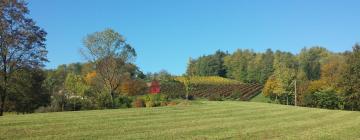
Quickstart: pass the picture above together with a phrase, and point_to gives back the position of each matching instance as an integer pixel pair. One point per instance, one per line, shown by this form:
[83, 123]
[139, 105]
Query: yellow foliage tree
[89, 77]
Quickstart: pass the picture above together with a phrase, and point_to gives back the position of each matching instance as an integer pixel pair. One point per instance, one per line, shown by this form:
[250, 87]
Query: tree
[75, 86]
[280, 83]
[350, 81]
[266, 62]
[111, 55]
[21, 44]
[237, 64]
[209, 65]
[187, 86]
[28, 91]
[310, 60]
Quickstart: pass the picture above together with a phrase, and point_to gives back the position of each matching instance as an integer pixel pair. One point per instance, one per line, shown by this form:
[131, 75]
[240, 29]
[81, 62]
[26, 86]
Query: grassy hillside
[260, 98]
[203, 120]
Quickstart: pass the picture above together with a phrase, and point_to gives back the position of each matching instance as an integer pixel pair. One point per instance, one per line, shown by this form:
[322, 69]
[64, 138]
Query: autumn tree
[111, 55]
[280, 83]
[21, 44]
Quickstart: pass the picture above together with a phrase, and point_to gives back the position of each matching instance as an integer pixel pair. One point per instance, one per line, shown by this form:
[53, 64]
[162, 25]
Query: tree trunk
[3, 94]
[2, 104]
[74, 104]
[112, 99]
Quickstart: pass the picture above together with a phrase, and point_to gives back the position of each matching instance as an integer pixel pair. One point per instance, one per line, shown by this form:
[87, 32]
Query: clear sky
[165, 33]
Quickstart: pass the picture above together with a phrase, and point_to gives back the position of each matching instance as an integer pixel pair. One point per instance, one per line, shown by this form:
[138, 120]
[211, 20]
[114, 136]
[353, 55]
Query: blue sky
[165, 33]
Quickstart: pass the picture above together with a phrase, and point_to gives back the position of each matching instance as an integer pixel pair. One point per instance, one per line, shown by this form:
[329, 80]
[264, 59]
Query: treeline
[243, 65]
[319, 77]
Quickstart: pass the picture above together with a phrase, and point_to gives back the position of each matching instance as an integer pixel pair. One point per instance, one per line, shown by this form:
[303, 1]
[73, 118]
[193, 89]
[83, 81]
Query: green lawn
[203, 120]
[260, 98]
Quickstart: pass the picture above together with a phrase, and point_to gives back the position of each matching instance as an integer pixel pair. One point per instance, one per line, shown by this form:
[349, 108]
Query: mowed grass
[200, 120]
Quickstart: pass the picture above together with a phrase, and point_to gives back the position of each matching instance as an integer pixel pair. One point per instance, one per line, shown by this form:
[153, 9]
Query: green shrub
[323, 99]
[150, 104]
[87, 104]
[73, 104]
[122, 102]
[153, 100]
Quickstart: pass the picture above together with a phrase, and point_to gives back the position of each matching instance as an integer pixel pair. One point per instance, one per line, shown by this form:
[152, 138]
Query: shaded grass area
[200, 120]
[260, 98]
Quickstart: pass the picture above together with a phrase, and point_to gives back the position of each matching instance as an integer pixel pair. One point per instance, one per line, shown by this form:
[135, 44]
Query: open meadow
[195, 120]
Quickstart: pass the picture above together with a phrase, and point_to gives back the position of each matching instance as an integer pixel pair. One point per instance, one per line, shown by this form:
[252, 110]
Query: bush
[73, 104]
[139, 102]
[122, 102]
[153, 100]
[323, 99]
[87, 104]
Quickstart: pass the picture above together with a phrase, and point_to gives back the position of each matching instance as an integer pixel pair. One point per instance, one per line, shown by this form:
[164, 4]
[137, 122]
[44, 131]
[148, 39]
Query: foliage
[210, 65]
[162, 75]
[310, 60]
[350, 81]
[323, 99]
[75, 85]
[111, 56]
[133, 87]
[138, 102]
[28, 92]
[280, 84]
[153, 100]
[123, 102]
[173, 89]
[22, 45]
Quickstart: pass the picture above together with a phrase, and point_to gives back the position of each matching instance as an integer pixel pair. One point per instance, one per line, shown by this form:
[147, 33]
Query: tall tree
[28, 91]
[21, 43]
[310, 60]
[266, 69]
[111, 55]
[208, 65]
[75, 86]
[351, 76]
[237, 64]
[280, 83]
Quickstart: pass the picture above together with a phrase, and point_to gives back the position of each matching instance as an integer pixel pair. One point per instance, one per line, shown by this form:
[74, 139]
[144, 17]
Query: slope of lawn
[200, 120]
[260, 98]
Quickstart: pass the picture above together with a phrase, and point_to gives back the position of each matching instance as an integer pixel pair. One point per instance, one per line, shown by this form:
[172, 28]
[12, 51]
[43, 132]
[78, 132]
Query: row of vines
[203, 87]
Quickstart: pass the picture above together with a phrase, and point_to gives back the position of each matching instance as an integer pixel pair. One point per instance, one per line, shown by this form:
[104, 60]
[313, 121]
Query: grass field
[200, 120]
[260, 98]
